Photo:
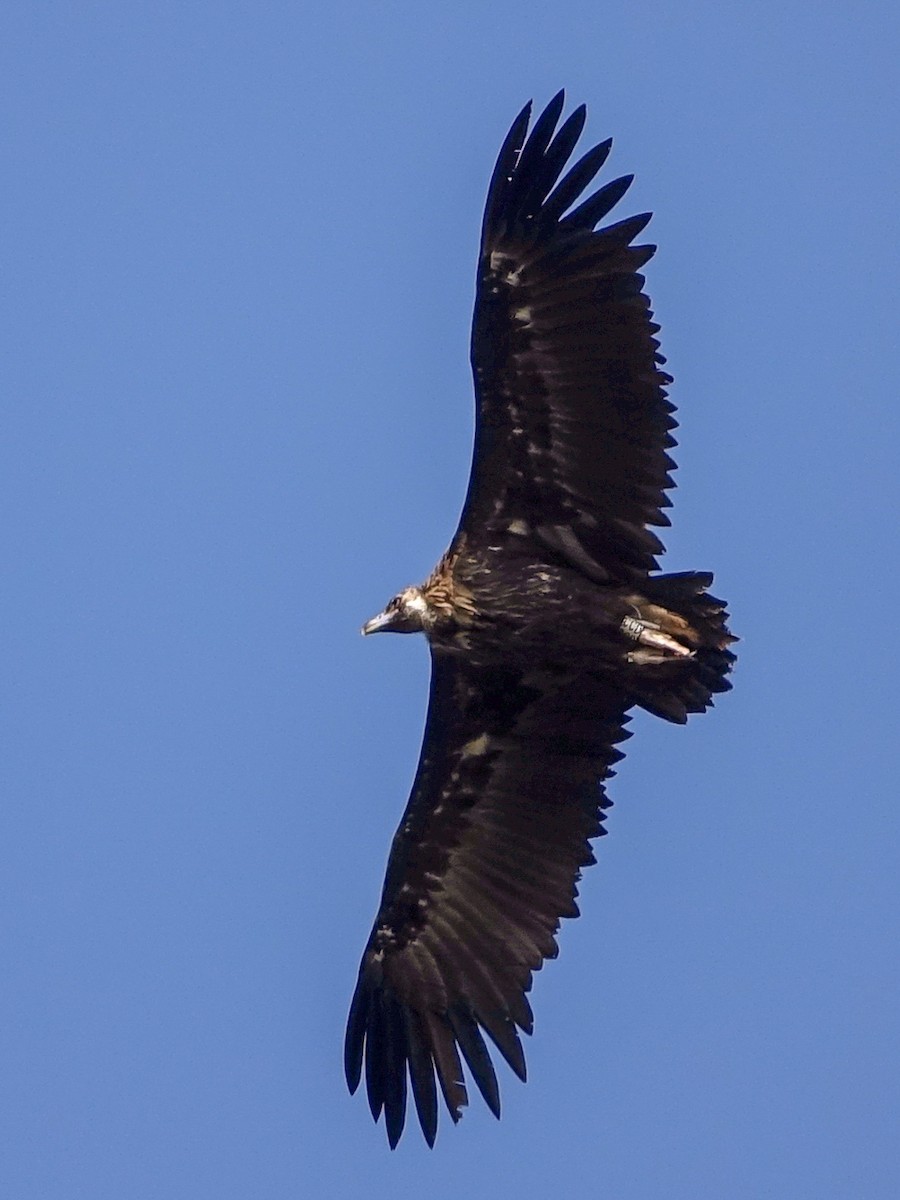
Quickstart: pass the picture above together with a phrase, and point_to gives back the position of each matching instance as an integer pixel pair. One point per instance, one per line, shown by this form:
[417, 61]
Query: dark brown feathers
[483, 866]
[573, 420]
[545, 627]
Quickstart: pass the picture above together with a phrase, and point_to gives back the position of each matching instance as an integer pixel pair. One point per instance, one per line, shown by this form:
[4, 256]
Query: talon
[649, 634]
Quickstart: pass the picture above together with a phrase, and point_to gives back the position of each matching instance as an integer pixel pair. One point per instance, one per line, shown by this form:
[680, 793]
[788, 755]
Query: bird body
[501, 607]
[547, 621]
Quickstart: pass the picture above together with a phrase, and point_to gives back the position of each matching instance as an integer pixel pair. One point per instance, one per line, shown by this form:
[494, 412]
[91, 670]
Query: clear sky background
[237, 417]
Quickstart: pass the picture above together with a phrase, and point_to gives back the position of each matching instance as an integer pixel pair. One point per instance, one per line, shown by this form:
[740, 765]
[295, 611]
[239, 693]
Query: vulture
[547, 621]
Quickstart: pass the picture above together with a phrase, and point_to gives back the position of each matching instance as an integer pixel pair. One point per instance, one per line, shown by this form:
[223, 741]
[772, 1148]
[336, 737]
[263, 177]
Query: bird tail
[682, 607]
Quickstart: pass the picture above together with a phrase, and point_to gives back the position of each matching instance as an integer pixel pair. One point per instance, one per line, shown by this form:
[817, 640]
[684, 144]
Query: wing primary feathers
[522, 1014]
[376, 1054]
[529, 172]
[465, 1028]
[446, 1061]
[641, 255]
[394, 1088]
[574, 182]
[421, 1073]
[547, 171]
[595, 208]
[566, 138]
[534, 149]
[498, 188]
[607, 249]
[356, 1035]
[627, 230]
[502, 1033]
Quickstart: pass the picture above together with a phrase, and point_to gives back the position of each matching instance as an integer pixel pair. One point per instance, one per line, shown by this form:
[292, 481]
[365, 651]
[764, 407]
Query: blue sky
[237, 417]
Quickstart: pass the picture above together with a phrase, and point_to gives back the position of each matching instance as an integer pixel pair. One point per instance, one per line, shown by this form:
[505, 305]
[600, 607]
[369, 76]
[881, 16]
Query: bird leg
[646, 633]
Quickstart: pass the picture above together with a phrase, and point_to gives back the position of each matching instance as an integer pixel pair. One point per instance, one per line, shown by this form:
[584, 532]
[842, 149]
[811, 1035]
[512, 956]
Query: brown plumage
[546, 625]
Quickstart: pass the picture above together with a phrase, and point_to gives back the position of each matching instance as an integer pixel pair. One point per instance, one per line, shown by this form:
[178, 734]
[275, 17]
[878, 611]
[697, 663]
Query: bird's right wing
[482, 868]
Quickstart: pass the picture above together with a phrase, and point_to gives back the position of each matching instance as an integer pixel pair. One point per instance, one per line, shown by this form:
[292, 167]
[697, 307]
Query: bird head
[407, 612]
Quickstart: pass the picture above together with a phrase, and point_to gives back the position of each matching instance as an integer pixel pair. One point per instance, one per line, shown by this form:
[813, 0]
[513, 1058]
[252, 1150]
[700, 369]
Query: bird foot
[649, 634]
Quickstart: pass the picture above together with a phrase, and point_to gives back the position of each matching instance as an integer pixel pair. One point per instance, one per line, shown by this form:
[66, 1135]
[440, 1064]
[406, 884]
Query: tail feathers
[679, 686]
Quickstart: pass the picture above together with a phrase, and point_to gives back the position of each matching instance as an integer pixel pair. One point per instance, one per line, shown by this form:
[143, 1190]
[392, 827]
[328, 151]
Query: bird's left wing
[573, 426]
[484, 865]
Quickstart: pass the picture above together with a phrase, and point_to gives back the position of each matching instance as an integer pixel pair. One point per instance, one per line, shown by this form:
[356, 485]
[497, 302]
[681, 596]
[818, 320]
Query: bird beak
[379, 624]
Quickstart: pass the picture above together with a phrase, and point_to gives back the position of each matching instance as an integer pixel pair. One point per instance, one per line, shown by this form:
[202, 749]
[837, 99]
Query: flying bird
[547, 620]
